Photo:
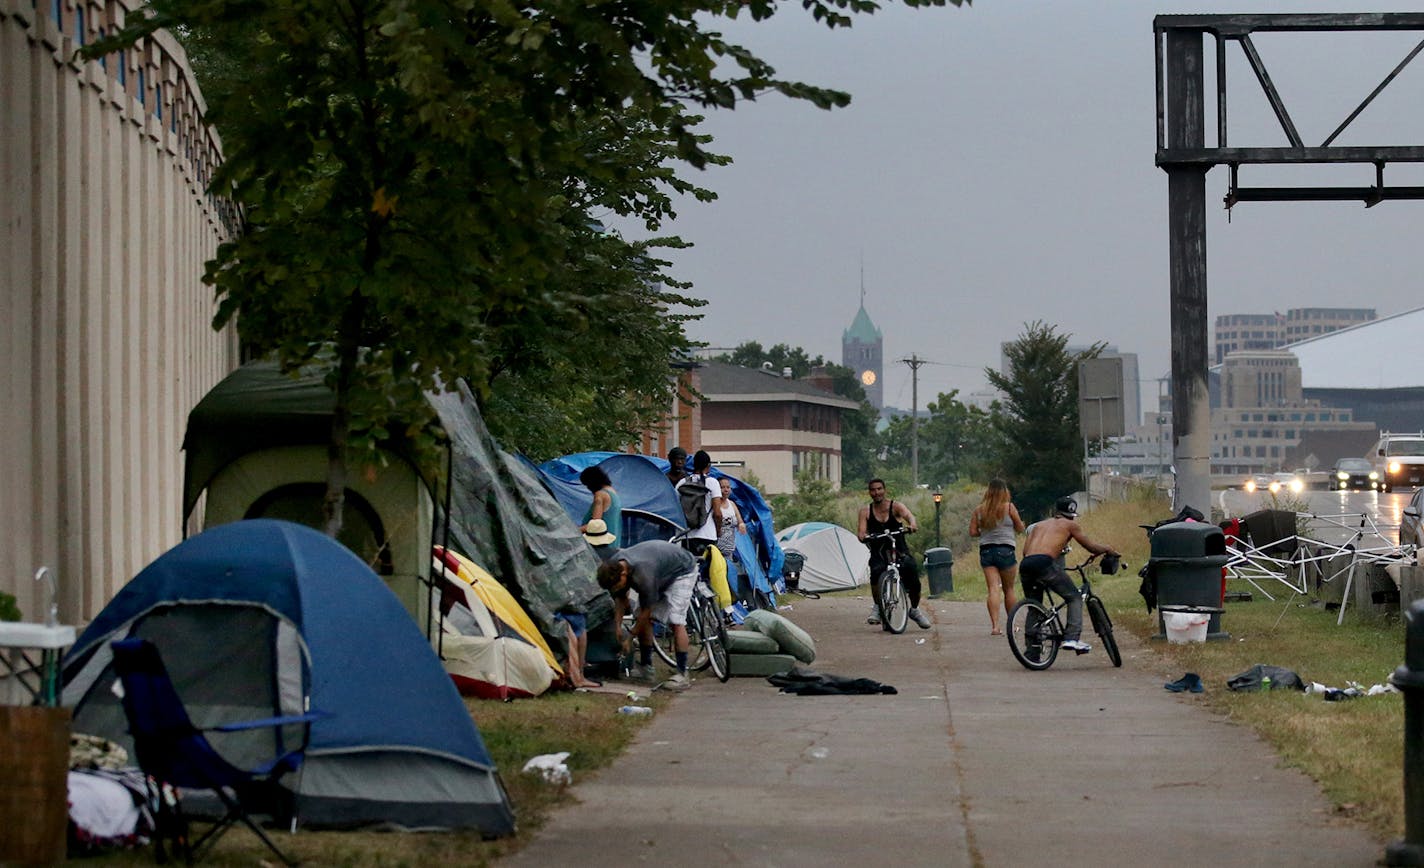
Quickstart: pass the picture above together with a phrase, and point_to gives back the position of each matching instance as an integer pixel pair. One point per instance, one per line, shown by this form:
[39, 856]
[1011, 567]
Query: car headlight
[1394, 467]
[1374, 475]
[1275, 486]
[1340, 474]
[1296, 486]
[1250, 485]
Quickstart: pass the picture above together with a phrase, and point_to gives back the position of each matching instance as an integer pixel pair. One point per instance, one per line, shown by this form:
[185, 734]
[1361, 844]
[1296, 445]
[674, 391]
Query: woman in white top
[732, 523]
[995, 521]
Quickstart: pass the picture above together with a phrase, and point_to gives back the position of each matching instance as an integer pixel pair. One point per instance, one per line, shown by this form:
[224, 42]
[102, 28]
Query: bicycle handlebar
[887, 534]
[1122, 564]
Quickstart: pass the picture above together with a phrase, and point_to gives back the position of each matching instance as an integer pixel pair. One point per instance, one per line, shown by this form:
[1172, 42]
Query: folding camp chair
[173, 751]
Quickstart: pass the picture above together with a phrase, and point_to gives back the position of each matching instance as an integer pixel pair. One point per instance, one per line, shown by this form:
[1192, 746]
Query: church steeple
[863, 351]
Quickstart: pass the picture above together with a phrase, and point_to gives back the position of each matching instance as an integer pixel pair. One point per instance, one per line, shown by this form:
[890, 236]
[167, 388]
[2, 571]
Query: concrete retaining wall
[105, 325]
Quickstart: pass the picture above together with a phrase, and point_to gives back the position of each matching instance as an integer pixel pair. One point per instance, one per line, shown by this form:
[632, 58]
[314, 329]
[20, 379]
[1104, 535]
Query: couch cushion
[751, 642]
[789, 637]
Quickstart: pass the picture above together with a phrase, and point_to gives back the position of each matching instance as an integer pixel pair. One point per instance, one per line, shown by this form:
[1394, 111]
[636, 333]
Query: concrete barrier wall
[105, 325]
[1411, 585]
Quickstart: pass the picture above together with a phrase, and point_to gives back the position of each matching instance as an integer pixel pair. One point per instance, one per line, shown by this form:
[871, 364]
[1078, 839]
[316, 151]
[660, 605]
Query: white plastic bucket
[1184, 627]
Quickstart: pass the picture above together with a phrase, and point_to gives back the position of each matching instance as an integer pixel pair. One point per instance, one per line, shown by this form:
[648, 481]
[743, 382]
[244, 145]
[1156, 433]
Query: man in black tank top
[882, 515]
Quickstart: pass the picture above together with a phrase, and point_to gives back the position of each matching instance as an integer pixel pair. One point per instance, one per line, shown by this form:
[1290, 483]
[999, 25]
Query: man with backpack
[701, 507]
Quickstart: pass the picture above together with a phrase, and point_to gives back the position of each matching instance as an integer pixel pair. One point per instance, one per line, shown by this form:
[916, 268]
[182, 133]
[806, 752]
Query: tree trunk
[347, 348]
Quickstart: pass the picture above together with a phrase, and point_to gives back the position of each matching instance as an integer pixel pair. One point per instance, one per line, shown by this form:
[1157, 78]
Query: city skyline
[996, 168]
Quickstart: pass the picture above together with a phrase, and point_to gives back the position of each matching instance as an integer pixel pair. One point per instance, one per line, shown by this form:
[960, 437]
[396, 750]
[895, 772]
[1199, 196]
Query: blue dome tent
[265, 617]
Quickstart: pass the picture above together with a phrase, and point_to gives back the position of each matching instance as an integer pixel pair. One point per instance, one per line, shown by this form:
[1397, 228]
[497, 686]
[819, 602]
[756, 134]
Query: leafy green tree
[416, 176]
[9, 609]
[956, 442]
[1040, 452]
[812, 500]
[751, 355]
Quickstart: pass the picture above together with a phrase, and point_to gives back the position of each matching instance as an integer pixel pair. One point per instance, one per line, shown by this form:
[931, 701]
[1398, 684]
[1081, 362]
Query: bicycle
[1036, 629]
[706, 635]
[894, 607]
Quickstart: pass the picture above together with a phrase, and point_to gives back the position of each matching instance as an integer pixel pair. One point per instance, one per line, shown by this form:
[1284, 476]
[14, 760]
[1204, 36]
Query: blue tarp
[643, 487]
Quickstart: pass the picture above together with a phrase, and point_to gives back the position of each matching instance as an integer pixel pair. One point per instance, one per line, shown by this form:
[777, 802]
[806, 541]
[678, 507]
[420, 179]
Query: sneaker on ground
[678, 682]
[920, 618]
[1077, 645]
[640, 673]
[874, 615]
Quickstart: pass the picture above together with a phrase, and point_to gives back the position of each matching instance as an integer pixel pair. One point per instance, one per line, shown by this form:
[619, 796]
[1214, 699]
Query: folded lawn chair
[175, 752]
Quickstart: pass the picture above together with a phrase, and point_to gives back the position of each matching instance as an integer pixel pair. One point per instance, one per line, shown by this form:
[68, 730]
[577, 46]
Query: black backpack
[692, 494]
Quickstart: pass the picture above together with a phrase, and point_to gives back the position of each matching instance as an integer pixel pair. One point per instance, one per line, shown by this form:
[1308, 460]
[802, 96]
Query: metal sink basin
[22, 634]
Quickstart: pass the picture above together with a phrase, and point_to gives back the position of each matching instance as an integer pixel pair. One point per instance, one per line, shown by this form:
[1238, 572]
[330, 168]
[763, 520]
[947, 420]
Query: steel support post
[1186, 201]
[1409, 678]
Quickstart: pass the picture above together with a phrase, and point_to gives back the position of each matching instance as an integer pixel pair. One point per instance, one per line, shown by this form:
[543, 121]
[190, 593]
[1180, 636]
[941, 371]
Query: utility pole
[914, 362]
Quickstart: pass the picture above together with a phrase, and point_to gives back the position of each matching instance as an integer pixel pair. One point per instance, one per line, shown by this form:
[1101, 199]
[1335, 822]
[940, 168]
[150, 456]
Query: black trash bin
[1187, 560]
[939, 566]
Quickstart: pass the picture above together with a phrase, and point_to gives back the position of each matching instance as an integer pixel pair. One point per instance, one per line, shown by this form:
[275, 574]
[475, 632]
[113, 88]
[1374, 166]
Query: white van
[1399, 460]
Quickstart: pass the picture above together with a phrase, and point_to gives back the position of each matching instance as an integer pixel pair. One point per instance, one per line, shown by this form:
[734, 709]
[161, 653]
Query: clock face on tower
[867, 378]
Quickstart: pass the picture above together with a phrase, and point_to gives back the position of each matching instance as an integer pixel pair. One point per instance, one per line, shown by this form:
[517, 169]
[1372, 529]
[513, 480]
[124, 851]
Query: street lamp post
[938, 496]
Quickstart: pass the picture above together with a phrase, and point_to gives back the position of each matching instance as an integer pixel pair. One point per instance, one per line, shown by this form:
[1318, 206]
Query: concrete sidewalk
[976, 761]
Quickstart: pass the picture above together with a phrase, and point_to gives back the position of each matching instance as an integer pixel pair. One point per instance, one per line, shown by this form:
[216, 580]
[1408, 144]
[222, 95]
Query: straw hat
[596, 532]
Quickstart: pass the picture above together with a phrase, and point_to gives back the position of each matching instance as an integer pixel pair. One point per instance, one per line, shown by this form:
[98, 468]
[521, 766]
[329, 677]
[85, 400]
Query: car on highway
[1409, 520]
[1259, 482]
[1355, 474]
[1399, 460]
[1286, 483]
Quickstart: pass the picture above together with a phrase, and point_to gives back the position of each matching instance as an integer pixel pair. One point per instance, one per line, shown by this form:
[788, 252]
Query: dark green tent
[256, 445]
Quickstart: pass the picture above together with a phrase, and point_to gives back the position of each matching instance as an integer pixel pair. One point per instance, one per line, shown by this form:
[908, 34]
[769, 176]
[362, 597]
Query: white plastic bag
[551, 767]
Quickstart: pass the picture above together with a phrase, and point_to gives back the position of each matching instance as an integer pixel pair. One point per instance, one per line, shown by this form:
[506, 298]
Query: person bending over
[881, 515]
[1040, 567]
[663, 576]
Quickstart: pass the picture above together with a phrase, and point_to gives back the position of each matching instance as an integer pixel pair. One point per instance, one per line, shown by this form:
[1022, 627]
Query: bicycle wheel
[663, 643]
[1102, 625]
[702, 621]
[1034, 635]
[894, 611]
[714, 641]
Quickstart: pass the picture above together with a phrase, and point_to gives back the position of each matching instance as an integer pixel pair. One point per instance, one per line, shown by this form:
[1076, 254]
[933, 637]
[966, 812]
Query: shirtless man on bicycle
[882, 515]
[1040, 567]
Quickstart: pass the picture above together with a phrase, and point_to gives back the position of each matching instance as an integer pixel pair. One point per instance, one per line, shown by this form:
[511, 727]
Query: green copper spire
[862, 330]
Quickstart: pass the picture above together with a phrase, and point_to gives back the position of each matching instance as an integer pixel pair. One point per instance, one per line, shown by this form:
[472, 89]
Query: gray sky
[996, 167]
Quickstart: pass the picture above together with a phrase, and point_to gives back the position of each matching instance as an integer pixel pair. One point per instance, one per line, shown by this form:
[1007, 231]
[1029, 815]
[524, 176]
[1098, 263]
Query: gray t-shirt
[655, 565]
[1001, 534]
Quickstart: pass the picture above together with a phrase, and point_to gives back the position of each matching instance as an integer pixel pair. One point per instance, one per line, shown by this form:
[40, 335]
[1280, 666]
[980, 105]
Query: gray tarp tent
[255, 445]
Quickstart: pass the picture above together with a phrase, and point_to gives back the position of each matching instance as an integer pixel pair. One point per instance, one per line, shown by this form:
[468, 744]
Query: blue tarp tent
[651, 509]
[263, 617]
[650, 506]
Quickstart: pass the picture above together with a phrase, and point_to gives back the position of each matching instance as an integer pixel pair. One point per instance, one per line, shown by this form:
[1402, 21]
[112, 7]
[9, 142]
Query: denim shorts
[1000, 556]
[578, 622]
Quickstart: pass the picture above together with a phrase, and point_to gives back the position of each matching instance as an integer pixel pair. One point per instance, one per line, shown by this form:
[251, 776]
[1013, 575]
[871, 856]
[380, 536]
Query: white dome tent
[835, 559]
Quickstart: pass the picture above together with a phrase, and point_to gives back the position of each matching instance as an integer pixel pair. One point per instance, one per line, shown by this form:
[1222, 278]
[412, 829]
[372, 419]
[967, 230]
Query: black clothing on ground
[808, 682]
